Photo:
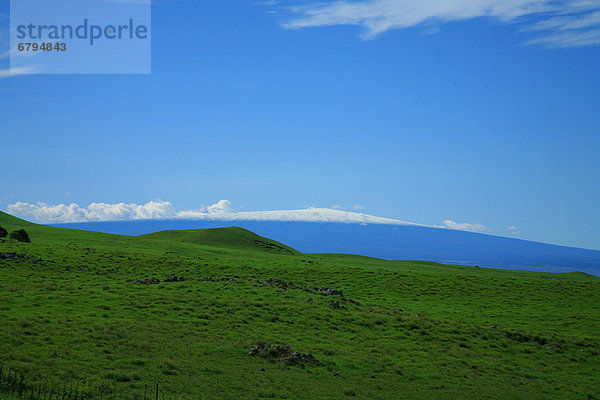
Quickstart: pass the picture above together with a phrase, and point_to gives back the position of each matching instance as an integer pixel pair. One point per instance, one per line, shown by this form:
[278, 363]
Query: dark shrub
[20, 236]
[3, 233]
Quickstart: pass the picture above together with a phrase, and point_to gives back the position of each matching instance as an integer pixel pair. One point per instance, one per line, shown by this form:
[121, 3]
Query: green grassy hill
[113, 316]
[232, 238]
[7, 220]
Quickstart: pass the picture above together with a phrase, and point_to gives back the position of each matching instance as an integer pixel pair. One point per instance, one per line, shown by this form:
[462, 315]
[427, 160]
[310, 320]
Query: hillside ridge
[10, 220]
[231, 237]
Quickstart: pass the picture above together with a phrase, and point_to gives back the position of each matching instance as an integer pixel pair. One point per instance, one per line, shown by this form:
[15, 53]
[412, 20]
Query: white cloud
[464, 226]
[337, 207]
[10, 72]
[377, 16]
[513, 230]
[42, 212]
[222, 210]
[358, 207]
[221, 207]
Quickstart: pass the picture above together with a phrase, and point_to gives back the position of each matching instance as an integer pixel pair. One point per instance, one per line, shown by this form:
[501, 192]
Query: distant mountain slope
[234, 238]
[399, 242]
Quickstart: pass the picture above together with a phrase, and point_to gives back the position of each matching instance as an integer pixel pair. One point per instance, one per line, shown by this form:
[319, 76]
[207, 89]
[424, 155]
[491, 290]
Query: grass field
[83, 308]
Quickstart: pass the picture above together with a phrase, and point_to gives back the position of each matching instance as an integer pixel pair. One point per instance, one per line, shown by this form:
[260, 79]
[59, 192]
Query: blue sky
[482, 112]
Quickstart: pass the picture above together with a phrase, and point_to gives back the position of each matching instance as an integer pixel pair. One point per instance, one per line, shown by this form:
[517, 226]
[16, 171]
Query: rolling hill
[225, 313]
[8, 220]
[233, 238]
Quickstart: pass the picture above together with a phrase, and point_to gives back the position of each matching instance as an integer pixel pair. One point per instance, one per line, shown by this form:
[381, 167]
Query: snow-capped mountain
[305, 215]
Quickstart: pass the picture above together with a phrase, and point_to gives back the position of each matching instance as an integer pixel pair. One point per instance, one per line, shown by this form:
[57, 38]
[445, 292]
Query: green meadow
[114, 316]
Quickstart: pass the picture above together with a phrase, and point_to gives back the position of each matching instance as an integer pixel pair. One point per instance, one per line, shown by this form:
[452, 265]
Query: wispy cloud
[569, 39]
[378, 16]
[5, 197]
[513, 230]
[586, 20]
[11, 72]
[465, 226]
[7, 53]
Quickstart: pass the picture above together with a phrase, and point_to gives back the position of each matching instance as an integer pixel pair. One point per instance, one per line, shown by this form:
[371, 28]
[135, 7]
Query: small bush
[20, 236]
[283, 353]
[3, 233]
[119, 377]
